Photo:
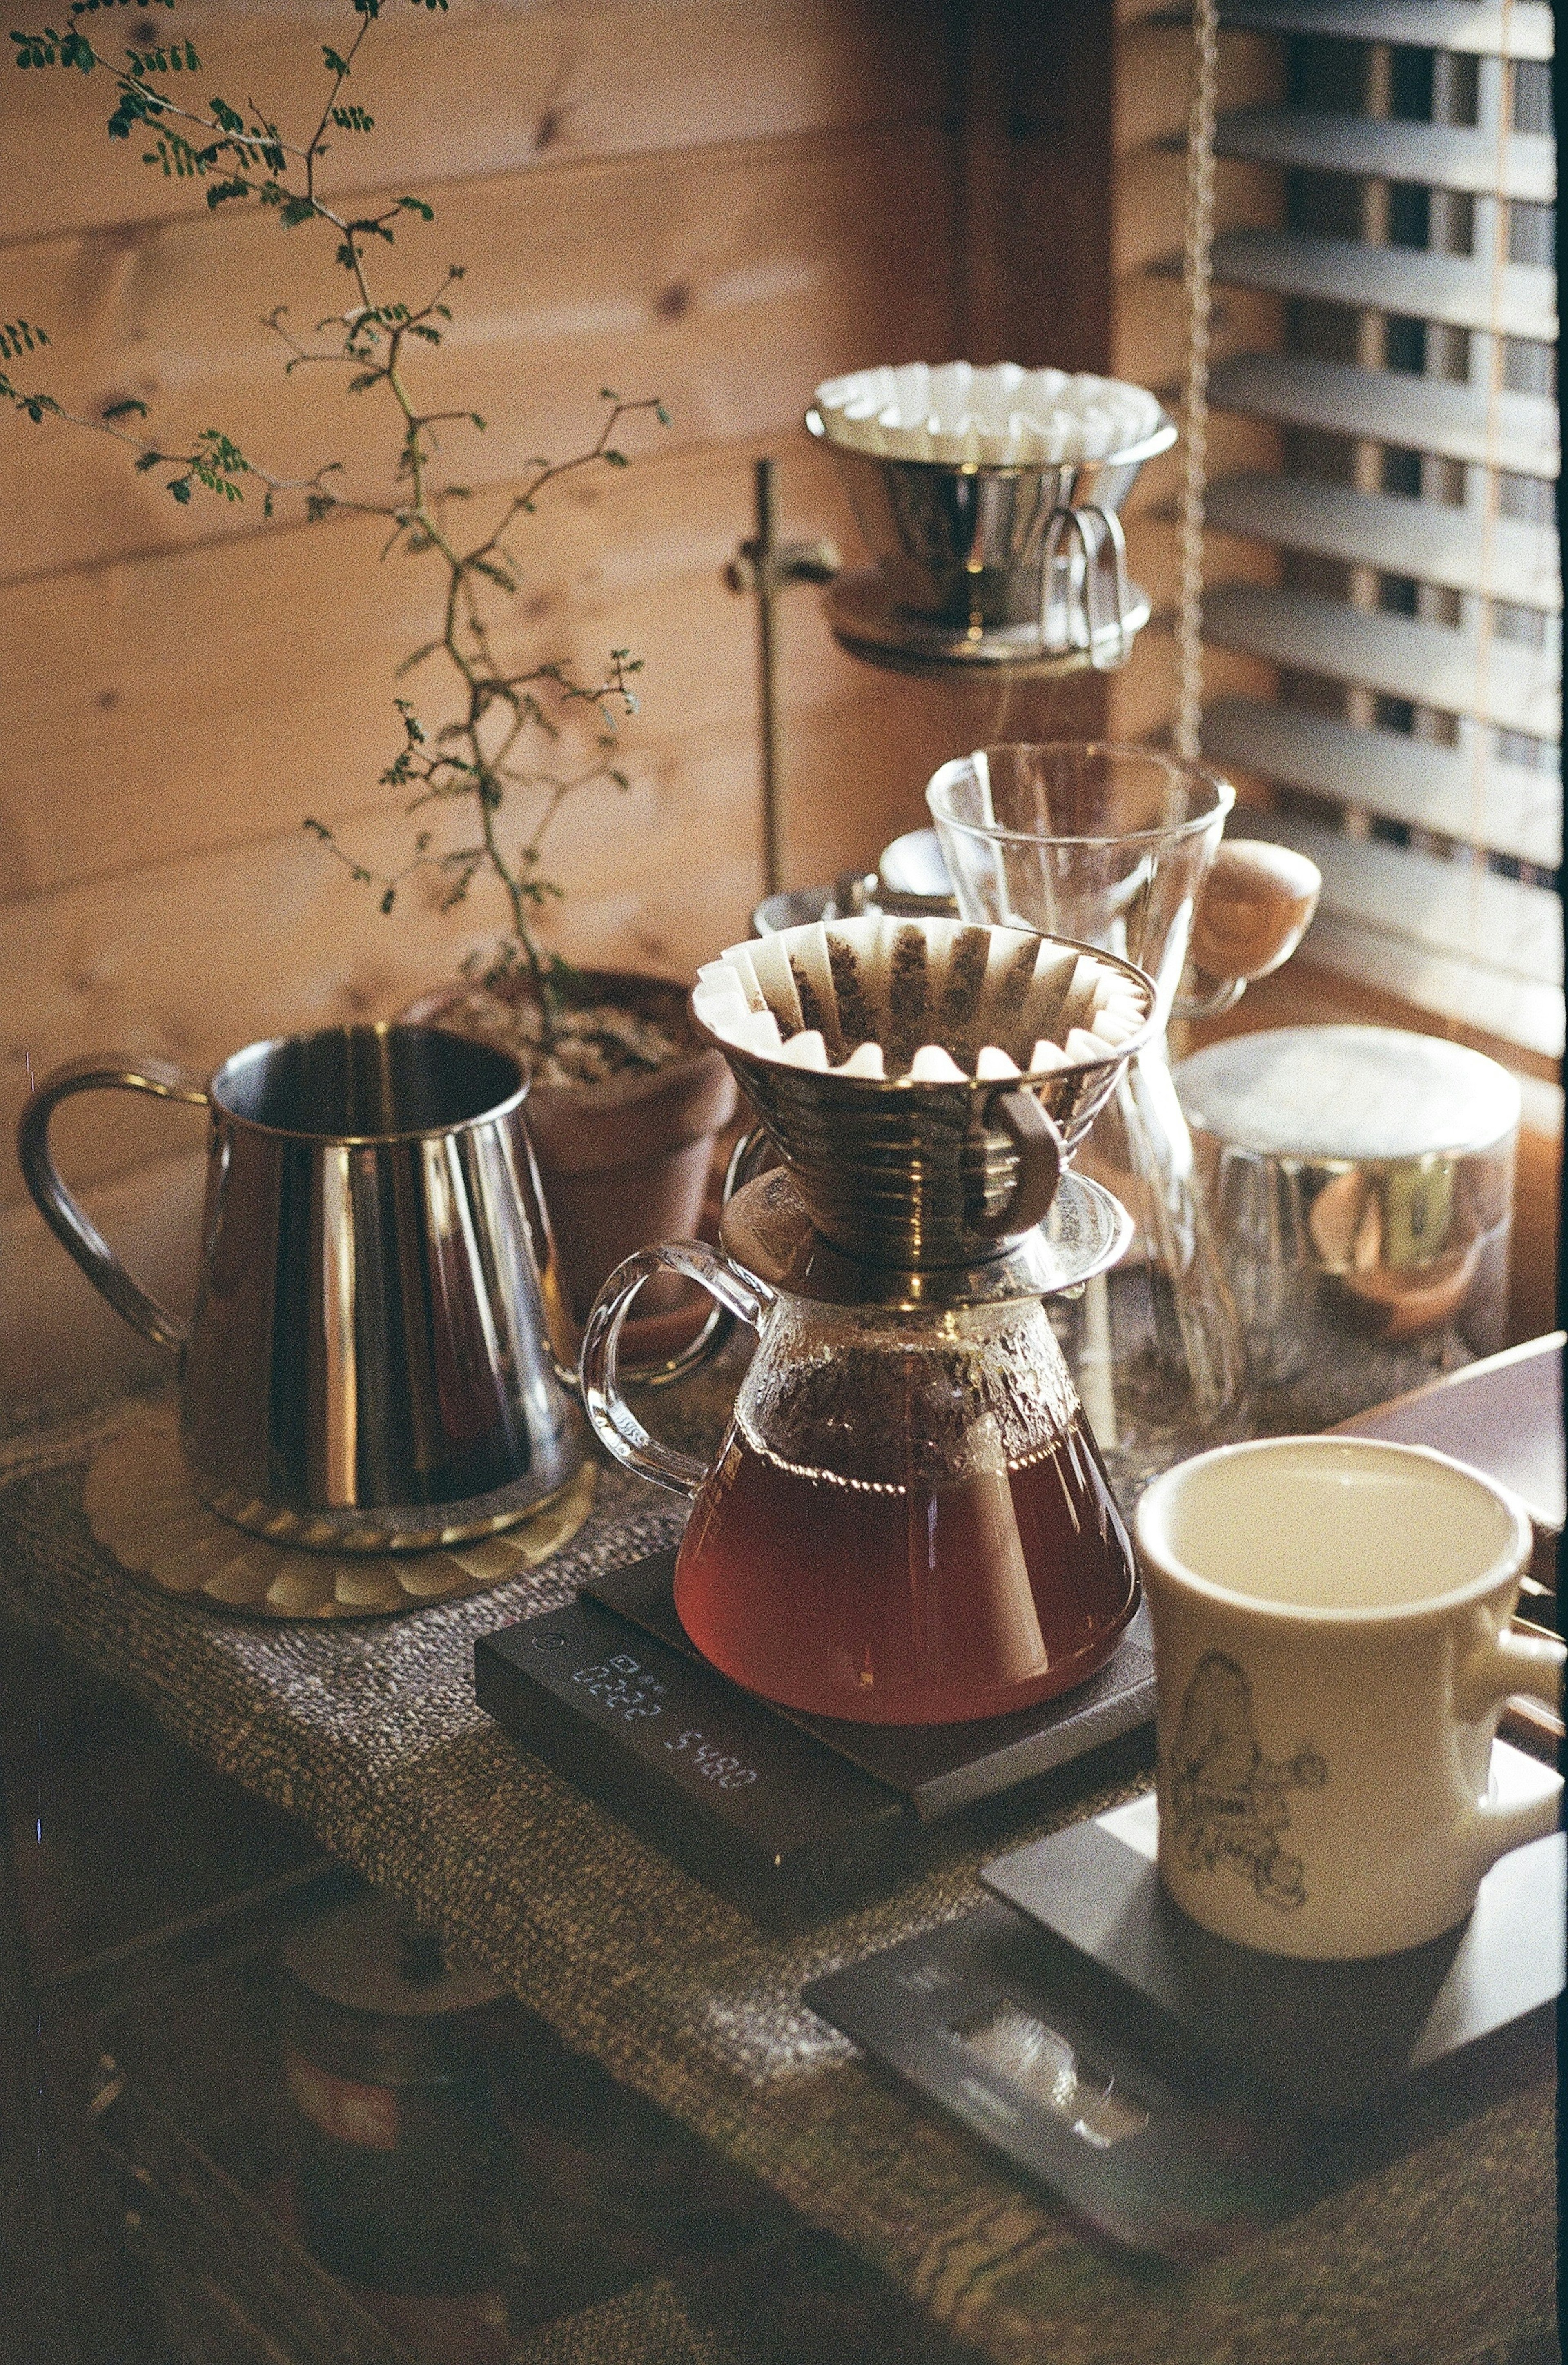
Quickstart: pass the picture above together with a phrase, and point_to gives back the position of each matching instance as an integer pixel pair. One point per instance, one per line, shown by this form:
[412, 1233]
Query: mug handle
[1511, 1662]
[739, 1298]
[66, 1219]
[1041, 1157]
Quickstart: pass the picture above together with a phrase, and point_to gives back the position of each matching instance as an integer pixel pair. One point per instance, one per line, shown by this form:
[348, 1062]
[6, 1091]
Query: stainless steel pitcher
[376, 1357]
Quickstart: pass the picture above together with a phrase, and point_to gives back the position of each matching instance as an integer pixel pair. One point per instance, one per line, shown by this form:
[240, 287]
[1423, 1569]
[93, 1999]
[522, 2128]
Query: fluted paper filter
[880, 1054]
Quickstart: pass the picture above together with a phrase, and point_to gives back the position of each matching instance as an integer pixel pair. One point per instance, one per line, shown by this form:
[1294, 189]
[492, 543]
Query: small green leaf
[124, 410]
[616, 459]
[181, 488]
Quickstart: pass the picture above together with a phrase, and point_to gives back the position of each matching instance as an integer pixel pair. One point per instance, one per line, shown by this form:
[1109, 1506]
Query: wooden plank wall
[720, 201]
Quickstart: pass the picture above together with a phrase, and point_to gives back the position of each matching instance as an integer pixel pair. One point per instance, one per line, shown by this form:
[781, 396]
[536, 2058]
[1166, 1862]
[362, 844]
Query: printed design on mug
[1227, 1800]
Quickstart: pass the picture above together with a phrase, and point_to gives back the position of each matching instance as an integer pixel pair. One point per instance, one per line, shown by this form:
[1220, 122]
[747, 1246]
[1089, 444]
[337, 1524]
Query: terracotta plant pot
[624, 1163]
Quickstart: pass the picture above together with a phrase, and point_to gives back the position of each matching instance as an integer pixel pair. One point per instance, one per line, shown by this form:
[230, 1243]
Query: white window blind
[1413, 749]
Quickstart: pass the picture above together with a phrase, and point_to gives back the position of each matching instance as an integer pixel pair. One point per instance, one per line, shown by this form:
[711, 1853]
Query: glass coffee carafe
[907, 1520]
[1121, 848]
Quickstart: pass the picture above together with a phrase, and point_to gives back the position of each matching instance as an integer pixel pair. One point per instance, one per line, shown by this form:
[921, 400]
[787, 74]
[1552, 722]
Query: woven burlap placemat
[369, 1731]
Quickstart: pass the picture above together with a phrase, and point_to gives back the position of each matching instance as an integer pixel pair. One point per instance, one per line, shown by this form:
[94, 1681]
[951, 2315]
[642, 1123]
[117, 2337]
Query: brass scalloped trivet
[142, 1508]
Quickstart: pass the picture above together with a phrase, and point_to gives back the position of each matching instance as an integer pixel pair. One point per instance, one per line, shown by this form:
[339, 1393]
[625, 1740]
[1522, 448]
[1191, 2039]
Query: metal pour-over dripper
[990, 501]
[924, 1082]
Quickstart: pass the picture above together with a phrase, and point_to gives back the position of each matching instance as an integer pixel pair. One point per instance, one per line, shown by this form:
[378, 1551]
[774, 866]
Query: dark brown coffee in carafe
[935, 1598]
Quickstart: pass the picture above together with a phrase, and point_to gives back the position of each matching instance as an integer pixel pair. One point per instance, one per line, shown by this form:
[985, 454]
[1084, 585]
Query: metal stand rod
[764, 556]
[764, 566]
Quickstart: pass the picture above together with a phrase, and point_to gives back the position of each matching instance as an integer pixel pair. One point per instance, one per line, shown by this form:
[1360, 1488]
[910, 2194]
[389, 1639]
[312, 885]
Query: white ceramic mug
[1332, 1653]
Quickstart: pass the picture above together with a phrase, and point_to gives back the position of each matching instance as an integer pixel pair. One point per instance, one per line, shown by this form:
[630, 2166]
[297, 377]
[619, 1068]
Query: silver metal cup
[376, 1357]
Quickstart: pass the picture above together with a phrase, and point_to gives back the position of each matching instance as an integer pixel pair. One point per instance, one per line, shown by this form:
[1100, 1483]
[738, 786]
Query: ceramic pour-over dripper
[924, 1081]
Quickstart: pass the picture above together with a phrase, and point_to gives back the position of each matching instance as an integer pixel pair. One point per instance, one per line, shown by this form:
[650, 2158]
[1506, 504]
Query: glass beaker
[1111, 846]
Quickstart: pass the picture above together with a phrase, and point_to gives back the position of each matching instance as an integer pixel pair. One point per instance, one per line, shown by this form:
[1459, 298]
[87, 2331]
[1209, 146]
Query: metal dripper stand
[990, 501]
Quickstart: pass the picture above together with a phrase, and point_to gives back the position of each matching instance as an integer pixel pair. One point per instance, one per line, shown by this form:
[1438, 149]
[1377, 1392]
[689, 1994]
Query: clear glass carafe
[1112, 846]
[907, 1522]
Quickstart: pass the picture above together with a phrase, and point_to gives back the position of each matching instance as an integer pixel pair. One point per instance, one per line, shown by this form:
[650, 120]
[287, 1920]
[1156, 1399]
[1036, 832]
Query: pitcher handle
[751, 1155]
[66, 1219]
[1255, 906]
[614, 1423]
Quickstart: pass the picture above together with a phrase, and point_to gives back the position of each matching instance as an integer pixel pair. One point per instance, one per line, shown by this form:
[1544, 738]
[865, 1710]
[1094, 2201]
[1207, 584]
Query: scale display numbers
[624, 1688]
[709, 1759]
[744, 1800]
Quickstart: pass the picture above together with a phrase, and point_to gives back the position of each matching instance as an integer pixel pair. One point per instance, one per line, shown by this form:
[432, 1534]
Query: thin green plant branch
[469, 763]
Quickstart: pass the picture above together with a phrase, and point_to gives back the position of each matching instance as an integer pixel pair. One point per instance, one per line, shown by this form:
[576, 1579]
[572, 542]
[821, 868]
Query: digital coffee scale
[790, 1816]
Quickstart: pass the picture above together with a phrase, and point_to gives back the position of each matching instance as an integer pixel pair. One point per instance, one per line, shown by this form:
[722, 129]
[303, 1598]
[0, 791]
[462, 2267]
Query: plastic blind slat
[1424, 286]
[1426, 541]
[1434, 154]
[1419, 414]
[1514, 811]
[1431, 664]
[1473, 28]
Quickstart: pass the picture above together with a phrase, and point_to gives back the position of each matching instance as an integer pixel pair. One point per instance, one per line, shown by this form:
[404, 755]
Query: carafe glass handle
[69, 1222]
[616, 1426]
